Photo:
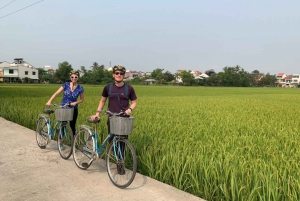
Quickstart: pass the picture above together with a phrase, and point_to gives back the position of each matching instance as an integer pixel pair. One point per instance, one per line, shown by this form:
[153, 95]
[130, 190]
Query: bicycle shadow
[99, 166]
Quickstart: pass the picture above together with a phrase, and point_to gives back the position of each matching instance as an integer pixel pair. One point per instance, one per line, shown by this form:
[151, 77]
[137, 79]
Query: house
[195, 73]
[49, 69]
[295, 80]
[131, 74]
[288, 80]
[280, 81]
[18, 70]
[202, 76]
[150, 81]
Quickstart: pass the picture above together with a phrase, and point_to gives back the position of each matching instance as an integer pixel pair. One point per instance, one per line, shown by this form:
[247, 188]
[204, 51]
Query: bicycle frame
[99, 147]
[58, 125]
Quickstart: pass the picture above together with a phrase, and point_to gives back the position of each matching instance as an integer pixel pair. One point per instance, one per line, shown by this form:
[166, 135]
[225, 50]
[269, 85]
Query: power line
[7, 4]
[21, 9]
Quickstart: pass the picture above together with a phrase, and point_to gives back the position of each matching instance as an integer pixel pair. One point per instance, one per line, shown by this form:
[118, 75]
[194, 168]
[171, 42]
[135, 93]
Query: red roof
[289, 77]
[280, 74]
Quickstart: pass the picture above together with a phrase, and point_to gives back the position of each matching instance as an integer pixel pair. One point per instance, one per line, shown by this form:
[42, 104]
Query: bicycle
[120, 156]
[61, 131]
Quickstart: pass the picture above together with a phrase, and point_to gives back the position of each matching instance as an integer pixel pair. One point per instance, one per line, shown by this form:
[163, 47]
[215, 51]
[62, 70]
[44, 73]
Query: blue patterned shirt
[69, 95]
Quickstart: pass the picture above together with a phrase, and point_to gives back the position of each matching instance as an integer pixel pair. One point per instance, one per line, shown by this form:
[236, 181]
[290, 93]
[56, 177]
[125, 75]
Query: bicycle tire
[121, 163]
[42, 132]
[65, 141]
[83, 148]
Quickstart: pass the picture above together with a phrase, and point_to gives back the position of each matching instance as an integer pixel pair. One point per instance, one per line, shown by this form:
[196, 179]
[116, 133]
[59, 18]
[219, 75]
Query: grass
[216, 143]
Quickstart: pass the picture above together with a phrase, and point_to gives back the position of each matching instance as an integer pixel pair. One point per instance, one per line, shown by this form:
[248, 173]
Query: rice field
[215, 143]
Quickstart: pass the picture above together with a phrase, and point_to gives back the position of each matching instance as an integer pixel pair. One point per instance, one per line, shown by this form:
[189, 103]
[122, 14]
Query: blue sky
[144, 35]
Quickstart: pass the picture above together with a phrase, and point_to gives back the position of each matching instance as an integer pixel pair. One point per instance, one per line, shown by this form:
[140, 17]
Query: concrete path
[30, 173]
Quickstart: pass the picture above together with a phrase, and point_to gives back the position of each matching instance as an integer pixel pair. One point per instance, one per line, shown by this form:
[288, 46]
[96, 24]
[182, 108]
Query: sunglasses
[119, 73]
[74, 77]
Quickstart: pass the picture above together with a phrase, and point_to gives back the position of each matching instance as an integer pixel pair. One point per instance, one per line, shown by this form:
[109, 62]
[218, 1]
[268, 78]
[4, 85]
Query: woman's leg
[73, 123]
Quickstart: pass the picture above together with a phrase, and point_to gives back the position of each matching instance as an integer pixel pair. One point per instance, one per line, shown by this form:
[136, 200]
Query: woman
[71, 92]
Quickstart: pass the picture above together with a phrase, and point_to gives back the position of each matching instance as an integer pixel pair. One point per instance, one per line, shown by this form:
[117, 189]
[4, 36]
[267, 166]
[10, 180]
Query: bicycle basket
[121, 125]
[64, 114]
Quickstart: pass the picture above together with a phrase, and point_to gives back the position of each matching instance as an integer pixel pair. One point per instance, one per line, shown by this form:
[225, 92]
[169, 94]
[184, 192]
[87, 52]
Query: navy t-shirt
[118, 100]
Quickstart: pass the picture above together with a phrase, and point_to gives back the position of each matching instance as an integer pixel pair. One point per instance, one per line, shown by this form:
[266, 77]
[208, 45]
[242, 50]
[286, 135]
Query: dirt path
[30, 173]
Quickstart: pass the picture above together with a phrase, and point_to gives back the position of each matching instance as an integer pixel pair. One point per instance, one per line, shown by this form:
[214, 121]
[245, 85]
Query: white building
[280, 80]
[295, 80]
[18, 70]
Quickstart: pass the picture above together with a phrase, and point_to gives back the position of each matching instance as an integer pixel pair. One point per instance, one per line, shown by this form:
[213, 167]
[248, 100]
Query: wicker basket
[121, 125]
[64, 114]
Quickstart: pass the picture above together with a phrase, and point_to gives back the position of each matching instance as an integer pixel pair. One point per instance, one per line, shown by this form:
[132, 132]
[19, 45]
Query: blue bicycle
[120, 156]
[61, 132]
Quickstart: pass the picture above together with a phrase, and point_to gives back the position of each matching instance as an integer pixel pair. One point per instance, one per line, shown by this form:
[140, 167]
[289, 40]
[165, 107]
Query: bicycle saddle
[48, 111]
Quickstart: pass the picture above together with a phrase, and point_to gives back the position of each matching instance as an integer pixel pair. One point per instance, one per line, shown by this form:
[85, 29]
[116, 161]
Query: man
[121, 96]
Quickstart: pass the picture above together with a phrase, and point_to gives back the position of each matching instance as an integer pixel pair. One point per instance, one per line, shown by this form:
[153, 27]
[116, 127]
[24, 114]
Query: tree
[255, 77]
[136, 80]
[187, 78]
[157, 74]
[99, 73]
[62, 73]
[168, 76]
[41, 72]
[95, 66]
[82, 69]
[210, 72]
[233, 76]
[267, 80]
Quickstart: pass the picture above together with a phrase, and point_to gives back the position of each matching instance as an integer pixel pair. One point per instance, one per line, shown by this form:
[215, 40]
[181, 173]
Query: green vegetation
[216, 143]
[234, 76]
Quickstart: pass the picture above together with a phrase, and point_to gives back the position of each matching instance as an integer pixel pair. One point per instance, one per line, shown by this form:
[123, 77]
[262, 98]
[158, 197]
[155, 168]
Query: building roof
[289, 77]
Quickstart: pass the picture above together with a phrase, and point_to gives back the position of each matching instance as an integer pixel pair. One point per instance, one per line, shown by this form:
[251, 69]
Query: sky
[145, 35]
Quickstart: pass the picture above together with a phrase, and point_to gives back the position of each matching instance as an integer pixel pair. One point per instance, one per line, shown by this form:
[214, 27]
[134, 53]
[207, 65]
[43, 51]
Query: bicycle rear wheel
[42, 132]
[121, 162]
[65, 141]
[83, 148]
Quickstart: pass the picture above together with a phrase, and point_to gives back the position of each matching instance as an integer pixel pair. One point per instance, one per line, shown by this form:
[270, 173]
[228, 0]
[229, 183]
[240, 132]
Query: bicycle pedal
[85, 165]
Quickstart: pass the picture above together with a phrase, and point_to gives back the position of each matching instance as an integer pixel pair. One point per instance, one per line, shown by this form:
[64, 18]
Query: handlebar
[111, 113]
[97, 120]
[56, 105]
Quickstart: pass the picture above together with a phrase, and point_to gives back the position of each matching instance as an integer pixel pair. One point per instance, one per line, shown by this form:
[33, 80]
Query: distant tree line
[229, 77]
[95, 75]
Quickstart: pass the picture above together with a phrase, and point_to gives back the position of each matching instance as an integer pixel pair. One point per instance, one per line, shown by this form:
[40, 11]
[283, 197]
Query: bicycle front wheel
[121, 162]
[42, 132]
[83, 148]
[65, 141]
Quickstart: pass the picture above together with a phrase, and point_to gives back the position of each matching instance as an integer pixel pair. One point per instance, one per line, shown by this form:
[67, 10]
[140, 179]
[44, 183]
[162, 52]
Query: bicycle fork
[119, 151]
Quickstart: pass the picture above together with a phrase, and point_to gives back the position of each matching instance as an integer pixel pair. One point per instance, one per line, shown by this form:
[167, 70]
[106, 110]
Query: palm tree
[95, 66]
